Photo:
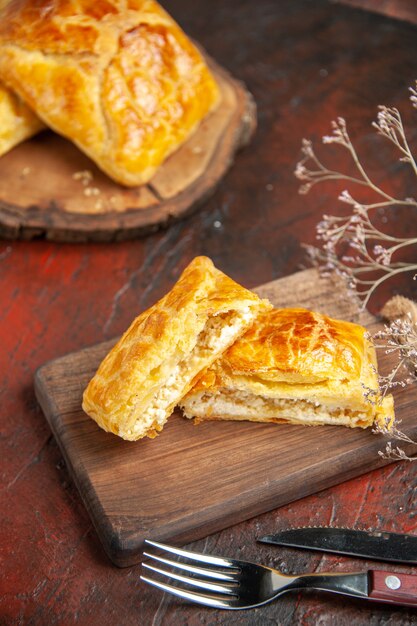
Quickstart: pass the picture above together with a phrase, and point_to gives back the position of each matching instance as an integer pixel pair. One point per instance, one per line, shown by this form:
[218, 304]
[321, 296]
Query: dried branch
[365, 256]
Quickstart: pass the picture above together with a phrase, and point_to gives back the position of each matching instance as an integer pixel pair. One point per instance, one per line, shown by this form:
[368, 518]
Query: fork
[231, 584]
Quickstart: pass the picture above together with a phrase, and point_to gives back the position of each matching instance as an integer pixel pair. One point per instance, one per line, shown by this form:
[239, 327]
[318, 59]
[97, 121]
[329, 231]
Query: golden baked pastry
[296, 366]
[17, 121]
[117, 77]
[154, 364]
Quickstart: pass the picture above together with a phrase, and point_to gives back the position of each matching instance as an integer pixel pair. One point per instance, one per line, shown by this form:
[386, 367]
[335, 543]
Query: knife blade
[377, 545]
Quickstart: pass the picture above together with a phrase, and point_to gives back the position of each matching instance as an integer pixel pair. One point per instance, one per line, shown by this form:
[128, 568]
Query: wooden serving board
[49, 188]
[194, 480]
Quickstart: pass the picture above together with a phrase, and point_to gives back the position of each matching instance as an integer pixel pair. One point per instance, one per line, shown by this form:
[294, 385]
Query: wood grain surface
[305, 63]
[49, 188]
[399, 9]
[192, 481]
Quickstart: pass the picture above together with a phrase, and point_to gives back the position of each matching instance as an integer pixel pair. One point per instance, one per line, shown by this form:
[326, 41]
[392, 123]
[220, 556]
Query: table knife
[378, 545]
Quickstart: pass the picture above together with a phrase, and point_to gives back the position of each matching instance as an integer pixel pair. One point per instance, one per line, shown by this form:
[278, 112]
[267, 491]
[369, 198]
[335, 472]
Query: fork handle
[393, 587]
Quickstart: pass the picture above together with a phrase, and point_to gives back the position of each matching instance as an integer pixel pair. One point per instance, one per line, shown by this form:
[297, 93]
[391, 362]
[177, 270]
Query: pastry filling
[219, 332]
[239, 405]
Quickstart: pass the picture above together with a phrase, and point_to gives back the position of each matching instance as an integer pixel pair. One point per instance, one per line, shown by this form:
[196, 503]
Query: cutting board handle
[393, 587]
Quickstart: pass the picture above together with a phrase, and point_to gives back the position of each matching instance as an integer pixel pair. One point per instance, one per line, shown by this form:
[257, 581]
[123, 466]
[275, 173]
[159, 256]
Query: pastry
[154, 364]
[296, 366]
[120, 79]
[17, 121]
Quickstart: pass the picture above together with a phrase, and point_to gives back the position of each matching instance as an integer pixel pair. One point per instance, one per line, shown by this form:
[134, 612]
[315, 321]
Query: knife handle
[393, 587]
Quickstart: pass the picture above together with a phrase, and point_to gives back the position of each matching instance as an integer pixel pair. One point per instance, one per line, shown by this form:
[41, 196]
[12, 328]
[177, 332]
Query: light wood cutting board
[49, 188]
[195, 480]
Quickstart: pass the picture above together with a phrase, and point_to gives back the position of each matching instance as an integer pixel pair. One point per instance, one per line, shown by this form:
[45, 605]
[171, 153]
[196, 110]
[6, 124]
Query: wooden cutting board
[49, 188]
[195, 480]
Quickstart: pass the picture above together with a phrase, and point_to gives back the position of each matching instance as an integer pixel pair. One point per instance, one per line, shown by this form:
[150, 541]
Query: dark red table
[306, 63]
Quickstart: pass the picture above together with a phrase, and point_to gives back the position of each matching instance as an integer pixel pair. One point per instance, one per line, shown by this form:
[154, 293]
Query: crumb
[197, 150]
[91, 191]
[85, 176]
[26, 171]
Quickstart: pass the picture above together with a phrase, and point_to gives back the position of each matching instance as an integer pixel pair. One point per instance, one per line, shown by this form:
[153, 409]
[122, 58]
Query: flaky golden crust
[161, 337]
[297, 356]
[17, 121]
[117, 77]
[298, 345]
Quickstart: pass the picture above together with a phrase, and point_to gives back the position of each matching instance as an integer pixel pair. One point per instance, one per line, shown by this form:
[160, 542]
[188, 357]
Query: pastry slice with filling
[294, 366]
[156, 361]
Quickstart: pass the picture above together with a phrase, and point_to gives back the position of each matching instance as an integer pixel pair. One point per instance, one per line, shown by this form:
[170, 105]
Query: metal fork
[231, 584]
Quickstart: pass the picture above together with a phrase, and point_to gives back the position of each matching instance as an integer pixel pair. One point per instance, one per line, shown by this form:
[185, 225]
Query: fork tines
[215, 576]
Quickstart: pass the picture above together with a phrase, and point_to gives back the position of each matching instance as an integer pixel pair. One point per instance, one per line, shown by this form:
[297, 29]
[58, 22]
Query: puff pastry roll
[117, 77]
[154, 364]
[17, 121]
[294, 366]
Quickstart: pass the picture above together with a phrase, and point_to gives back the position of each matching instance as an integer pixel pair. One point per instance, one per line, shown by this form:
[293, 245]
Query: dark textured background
[306, 62]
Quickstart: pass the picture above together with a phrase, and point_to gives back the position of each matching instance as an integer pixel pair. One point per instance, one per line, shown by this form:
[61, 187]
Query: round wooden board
[48, 188]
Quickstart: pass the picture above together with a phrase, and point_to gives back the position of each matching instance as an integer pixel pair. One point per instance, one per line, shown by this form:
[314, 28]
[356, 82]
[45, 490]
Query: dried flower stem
[353, 247]
[369, 250]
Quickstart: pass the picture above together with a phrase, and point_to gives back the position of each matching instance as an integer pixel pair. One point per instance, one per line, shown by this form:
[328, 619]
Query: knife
[378, 545]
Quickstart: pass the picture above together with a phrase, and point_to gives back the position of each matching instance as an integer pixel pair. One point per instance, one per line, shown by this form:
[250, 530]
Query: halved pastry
[154, 364]
[17, 121]
[119, 79]
[294, 366]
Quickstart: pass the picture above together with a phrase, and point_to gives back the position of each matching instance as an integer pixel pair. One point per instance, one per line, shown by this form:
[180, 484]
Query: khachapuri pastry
[17, 121]
[119, 78]
[295, 366]
[156, 361]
